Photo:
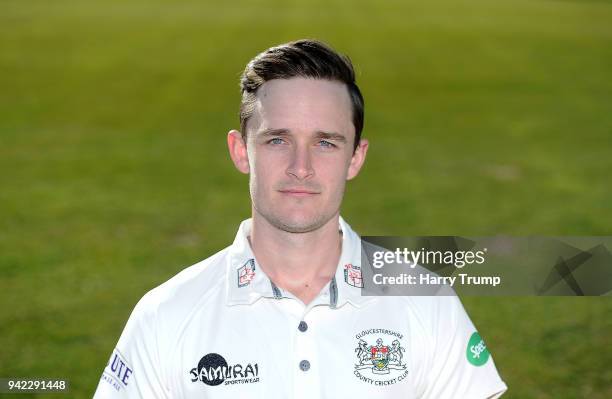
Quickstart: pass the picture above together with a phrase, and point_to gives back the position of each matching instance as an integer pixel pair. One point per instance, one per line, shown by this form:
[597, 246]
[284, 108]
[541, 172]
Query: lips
[298, 192]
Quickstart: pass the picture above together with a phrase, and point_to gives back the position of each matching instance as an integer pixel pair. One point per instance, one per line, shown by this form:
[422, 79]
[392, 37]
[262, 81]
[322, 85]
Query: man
[279, 313]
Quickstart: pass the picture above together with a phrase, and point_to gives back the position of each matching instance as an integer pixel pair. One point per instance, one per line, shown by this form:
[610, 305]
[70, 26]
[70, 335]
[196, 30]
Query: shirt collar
[246, 282]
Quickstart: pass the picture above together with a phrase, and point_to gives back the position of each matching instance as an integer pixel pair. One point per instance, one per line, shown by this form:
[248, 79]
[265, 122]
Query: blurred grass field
[485, 117]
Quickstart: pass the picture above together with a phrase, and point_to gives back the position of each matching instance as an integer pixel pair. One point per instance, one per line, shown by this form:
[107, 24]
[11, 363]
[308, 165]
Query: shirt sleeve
[461, 365]
[134, 368]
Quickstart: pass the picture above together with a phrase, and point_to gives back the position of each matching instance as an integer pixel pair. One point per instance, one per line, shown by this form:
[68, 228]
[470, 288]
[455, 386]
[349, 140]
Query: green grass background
[485, 117]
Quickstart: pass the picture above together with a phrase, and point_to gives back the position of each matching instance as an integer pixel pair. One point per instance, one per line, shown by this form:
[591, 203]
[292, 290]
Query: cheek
[333, 174]
[264, 172]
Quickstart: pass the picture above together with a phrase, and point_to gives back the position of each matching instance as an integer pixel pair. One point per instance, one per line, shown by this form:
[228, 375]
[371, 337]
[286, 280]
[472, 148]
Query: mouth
[298, 192]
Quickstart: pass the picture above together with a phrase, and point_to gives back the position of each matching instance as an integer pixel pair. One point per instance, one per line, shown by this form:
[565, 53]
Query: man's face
[300, 152]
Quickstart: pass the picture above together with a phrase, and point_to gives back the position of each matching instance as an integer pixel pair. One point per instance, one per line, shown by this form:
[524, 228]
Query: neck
[301, 263]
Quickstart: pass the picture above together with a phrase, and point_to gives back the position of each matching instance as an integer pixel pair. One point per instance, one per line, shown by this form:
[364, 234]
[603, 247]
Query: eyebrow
[273, 132]
[331, 136]
[320, 134]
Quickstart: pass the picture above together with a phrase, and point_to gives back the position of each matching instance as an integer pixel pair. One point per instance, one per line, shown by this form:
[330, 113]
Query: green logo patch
[477, 352]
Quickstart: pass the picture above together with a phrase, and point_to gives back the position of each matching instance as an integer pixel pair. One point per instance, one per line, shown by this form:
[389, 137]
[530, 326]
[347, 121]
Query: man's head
[299, 139]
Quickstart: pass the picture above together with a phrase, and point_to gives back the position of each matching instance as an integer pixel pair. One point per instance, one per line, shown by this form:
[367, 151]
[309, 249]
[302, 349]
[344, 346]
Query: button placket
[305, 355]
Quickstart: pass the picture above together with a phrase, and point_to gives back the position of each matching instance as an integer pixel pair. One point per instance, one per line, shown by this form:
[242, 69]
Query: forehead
[303, 104]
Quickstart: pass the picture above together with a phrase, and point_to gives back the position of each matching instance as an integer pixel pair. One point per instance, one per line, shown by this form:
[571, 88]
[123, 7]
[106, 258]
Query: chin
[298, 223]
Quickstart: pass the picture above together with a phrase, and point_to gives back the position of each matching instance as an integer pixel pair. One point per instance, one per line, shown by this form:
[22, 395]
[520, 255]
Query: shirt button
[303, 326]
[304, 365]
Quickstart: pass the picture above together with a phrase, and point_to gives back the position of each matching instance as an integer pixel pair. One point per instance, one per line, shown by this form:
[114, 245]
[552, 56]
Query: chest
[274, 350]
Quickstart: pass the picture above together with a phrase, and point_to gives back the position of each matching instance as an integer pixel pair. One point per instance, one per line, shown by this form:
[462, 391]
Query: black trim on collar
[333, 293]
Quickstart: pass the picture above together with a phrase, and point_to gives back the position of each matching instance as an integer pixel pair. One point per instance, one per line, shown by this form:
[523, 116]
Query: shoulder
[176, 298]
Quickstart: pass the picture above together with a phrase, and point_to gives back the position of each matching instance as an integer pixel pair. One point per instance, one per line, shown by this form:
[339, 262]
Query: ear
[358, 159]
[238, 151]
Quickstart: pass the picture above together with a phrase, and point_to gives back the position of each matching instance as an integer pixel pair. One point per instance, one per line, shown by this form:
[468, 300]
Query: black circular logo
[212, 368]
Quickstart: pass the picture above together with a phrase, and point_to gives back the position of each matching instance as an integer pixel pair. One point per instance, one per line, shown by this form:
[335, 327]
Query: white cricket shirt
[222, 329]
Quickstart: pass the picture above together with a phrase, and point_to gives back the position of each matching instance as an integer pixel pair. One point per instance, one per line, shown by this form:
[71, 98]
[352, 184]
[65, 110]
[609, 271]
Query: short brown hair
[302, 58]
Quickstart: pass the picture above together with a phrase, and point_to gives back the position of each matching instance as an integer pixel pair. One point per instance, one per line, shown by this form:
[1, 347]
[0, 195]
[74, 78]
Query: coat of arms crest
[380, 358]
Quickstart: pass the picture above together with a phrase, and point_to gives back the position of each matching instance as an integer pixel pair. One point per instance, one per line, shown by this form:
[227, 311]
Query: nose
[300, 166]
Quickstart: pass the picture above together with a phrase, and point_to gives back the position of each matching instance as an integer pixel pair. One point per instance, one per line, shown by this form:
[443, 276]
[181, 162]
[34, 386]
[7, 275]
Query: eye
[326, 144]
[276, 141]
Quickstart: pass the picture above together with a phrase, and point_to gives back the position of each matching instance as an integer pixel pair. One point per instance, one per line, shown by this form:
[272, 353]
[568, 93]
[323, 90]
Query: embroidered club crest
[246, 273]
[352, 275]
[379, 362]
